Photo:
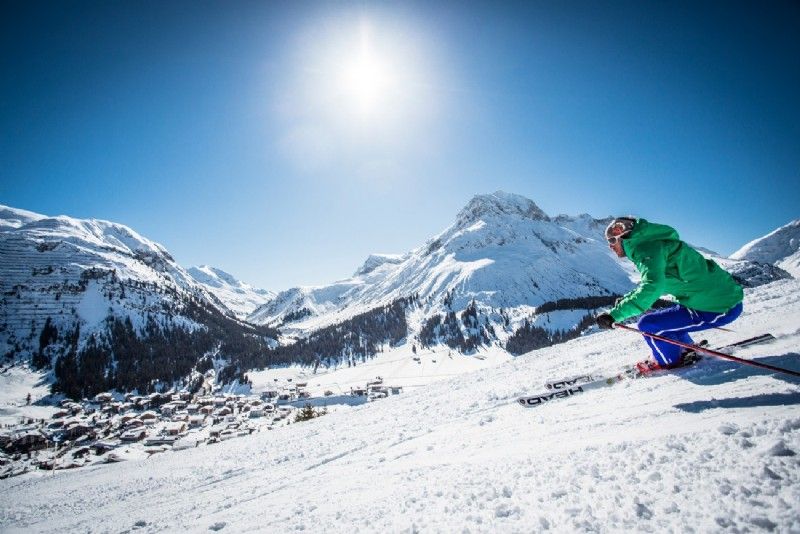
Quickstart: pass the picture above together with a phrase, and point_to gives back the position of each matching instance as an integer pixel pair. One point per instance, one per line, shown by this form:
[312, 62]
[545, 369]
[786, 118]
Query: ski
[570, 381]
[763, 338]
[571, 386]
[567, 391]
[589, 377]
[689, 359]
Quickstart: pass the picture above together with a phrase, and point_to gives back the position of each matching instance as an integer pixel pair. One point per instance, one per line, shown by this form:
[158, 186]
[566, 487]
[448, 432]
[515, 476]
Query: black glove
[604, 320]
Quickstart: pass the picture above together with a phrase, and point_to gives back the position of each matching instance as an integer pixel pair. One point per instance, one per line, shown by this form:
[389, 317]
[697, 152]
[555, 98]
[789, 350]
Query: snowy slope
[706, 449]
[239, 297]
[17, 383]
[780, 247]
[791, 264]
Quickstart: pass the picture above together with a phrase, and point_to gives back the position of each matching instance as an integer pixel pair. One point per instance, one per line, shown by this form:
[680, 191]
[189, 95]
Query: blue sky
[285, 141]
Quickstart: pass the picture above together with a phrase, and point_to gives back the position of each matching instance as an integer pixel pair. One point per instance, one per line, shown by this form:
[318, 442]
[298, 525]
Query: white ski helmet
[619, 228]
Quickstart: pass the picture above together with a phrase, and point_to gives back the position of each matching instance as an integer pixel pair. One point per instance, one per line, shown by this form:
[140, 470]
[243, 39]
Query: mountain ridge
[72, 288]
[239, 297]
[502, 250]
[78, 294]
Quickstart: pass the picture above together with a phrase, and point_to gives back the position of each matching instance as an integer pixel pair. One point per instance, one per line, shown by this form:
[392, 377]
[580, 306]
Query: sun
[359, 82]
[366, 78]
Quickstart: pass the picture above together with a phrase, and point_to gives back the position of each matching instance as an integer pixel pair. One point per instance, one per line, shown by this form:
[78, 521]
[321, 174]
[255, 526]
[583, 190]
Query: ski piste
[568, 387]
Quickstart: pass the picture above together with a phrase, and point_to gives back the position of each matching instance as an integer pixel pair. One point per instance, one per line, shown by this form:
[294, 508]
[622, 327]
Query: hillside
[709, 448]
[101, 307]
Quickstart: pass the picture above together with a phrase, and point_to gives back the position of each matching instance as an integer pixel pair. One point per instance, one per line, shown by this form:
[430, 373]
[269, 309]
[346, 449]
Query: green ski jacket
[670, 266]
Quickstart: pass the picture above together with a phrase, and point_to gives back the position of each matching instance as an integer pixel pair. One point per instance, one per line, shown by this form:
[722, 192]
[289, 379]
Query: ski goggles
[614, 239]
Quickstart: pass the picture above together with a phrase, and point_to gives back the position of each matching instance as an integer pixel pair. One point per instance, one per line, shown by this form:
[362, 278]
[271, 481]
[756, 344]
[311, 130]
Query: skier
[707, 295]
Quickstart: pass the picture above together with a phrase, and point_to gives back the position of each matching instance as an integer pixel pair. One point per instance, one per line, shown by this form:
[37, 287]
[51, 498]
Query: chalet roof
[107, 445]
[28, 434]
[77, 423]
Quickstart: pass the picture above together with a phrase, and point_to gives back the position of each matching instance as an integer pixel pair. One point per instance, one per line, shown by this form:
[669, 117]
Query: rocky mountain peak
[500, 203]
[376, 260]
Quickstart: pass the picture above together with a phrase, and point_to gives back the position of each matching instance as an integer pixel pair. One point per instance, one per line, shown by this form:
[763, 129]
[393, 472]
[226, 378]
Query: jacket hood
[647, 231]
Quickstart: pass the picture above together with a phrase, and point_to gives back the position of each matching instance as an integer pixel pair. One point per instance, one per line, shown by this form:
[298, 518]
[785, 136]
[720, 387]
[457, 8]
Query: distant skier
[707, 295]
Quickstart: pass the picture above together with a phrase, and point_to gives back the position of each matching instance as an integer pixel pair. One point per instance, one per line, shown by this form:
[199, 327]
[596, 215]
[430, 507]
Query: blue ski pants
[675, 323]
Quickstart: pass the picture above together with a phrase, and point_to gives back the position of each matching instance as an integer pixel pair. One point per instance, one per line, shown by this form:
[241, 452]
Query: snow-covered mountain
[76, 292]
[75, 270]
[239, 297]
[69, 286]
[780, 247]
[710, 448]
[501, 252]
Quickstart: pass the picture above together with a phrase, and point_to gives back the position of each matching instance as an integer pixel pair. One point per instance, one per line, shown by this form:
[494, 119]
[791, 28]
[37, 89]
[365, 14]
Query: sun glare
[366, 77]
[358, 84]
[366, 81]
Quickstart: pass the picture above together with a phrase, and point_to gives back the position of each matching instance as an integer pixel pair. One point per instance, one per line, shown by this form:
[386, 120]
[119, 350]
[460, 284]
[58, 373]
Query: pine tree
[307, 413]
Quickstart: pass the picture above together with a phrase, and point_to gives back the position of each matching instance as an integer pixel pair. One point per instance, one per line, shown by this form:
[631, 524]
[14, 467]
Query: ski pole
[709, 351]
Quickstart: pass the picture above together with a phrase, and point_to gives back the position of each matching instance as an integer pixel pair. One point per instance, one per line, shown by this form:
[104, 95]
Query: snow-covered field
[397, 367]
[709, 448]
[19, 381]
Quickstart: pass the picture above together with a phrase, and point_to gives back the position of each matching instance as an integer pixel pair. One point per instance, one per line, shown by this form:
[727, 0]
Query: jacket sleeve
[651, 261]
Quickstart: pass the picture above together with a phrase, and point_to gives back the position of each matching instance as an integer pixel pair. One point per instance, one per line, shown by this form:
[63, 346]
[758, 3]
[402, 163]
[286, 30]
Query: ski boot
[687, 357]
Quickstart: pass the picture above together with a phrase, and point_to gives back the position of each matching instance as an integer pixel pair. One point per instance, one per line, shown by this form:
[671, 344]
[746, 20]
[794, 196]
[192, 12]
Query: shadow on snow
[714, 372]
[767, 399]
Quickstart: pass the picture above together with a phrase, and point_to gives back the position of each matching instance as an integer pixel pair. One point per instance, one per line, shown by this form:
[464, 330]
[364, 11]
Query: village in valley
[113, 427]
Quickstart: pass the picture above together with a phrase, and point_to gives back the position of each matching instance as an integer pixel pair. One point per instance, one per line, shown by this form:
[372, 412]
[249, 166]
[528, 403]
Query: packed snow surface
[709, 448]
